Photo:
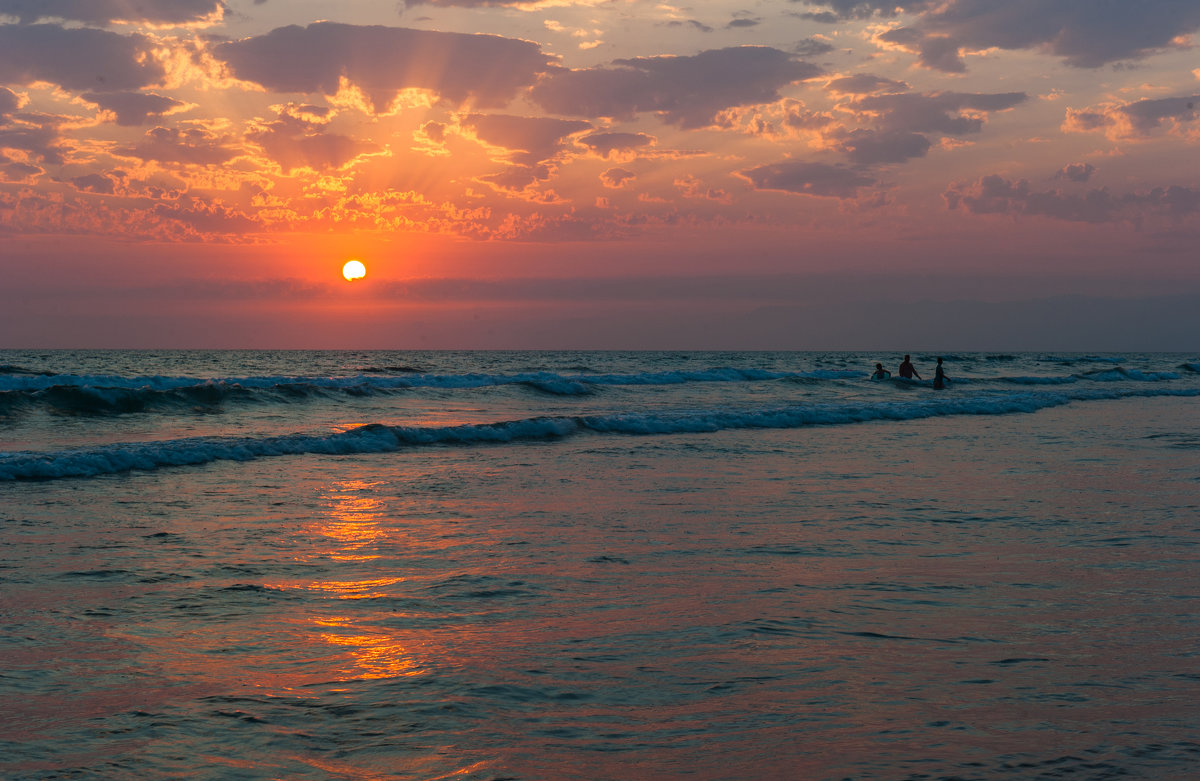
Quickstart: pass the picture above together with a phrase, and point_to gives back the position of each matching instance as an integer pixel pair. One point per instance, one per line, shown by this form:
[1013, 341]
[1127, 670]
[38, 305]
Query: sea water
[593, 565]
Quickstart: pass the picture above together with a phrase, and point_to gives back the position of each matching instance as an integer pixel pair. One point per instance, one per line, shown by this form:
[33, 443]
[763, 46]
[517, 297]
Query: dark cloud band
[485, 69]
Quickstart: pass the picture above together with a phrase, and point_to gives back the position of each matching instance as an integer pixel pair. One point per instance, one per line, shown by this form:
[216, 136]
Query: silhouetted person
[907, 371]
[939, 376]
[880, 372]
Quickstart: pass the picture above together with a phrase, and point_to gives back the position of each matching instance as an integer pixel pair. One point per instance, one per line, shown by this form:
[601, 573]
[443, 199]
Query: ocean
[598, 565]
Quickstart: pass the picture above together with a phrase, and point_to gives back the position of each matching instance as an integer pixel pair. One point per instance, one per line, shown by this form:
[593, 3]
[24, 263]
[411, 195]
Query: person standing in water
[939, 376]
[907, 371]
[880, 372]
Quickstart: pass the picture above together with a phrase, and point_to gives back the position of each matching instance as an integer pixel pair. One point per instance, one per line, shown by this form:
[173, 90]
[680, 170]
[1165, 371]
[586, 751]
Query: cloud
[43, 140]
[1083, 34]
[199, 219]
[306, 112]
[531, 144]
[159, 187]
[684, 91]
[530, 139]
[295, 143]
[1080, 121]
[434, 131]
[605, 144]
[100, 12]
[697, 25]
[9, 103]
[863, 9]
[1148, 115]
[15, 171]
[812, 47]
[486, 70]
[524, 4]
[936, 52]
[95, 183]
[805, 178]
[996, 195]
[797, 116]
[865, 84]
[896, 125]
[190, 146]
[133, 108]
[1076, 172]
[691, 187]
[615, 178]
[1139, 119]
[76, 58]
[868, 147]
[938, 112]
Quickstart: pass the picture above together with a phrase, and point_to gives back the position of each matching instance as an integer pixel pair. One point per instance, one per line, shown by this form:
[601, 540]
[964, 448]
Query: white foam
[375, 438]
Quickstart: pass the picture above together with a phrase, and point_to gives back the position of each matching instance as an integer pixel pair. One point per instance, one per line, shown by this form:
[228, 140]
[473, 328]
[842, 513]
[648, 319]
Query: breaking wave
[379, 438]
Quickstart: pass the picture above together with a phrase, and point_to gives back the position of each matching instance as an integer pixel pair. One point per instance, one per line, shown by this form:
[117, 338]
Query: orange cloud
[1137, 120]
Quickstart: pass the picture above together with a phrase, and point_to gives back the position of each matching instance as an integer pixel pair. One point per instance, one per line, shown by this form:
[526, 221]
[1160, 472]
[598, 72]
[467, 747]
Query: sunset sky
[814, 174]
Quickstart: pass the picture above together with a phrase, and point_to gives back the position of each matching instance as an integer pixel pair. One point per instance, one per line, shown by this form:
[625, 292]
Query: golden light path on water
[354, 523]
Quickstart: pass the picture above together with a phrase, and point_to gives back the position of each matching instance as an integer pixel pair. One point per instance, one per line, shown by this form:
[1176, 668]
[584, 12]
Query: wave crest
[380, 438]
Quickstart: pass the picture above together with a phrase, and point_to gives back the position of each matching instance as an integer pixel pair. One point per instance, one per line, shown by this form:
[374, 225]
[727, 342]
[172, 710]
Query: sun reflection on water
[372, 655]
[355, 527]
[355, 589]
[352, 521]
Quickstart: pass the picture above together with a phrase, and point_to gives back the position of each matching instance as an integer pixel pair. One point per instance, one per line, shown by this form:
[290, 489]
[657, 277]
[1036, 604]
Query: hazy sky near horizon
[807, 174]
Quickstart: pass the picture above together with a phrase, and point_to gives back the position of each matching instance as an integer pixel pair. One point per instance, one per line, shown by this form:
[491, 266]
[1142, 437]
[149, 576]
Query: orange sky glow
[582, 174]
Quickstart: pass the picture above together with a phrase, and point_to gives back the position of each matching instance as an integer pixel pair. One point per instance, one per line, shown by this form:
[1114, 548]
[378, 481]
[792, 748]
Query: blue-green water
[597, 565]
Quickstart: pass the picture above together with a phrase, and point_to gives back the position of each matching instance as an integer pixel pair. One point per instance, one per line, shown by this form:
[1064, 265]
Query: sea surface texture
[593, 565]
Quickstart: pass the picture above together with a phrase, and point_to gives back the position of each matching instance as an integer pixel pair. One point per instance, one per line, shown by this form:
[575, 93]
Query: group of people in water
[908, 372]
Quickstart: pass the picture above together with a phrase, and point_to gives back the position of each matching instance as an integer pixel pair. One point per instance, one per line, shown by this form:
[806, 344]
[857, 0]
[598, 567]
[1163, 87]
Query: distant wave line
[104, 394]
[473, 380]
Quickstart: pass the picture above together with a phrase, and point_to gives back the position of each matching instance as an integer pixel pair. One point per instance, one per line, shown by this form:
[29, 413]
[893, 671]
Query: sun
[354, 269]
